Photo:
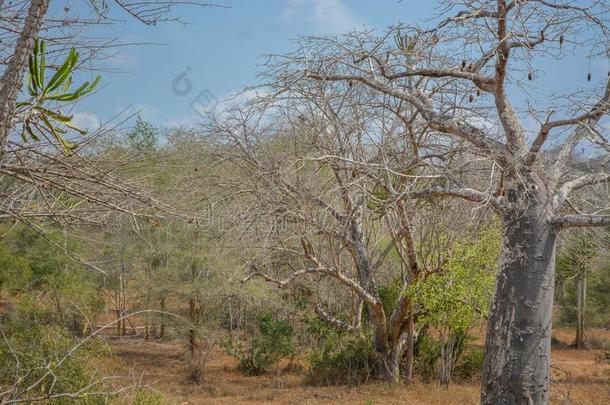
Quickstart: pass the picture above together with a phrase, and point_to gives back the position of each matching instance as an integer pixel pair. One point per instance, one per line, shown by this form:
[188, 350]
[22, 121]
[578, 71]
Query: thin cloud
[326, 17]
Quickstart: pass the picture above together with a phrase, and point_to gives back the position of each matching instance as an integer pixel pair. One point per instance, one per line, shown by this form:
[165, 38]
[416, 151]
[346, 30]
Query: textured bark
[162, 325]
[387, 361]
[12, 77]
[192, 340]
[581, 296]
[518, 355]
[409, 346]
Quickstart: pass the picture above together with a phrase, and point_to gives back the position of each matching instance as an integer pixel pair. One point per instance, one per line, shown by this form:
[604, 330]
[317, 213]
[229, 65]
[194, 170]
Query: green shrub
[338, 357]
[148, 397]
[34, 354]
[469, 364]
[274, 341]
[427, 354]
[389, 295]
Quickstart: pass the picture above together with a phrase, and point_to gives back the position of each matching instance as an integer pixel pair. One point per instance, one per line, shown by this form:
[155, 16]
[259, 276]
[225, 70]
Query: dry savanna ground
[578, 378]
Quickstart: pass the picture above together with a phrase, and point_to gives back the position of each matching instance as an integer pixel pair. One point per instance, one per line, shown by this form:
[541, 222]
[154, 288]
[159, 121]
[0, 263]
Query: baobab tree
[470, 79]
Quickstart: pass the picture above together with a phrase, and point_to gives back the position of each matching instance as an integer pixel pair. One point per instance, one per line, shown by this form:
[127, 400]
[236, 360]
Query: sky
[174, 69]
[219, 51]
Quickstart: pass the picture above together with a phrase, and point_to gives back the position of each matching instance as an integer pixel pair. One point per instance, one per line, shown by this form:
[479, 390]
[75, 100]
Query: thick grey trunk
[387, 363]
[518, 347]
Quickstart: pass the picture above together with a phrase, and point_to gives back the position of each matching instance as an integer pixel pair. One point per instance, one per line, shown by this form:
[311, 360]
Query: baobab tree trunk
[518, 355]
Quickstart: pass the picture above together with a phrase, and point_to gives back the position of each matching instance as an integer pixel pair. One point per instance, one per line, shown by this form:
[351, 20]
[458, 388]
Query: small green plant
[469, 364]
[40, 360]
[148, 397]
[427, 354]
[41, 120]
[338, 357]
[273, 342]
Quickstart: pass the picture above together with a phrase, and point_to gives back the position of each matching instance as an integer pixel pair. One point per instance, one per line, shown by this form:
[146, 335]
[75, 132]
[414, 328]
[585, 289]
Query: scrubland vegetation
[376, 222]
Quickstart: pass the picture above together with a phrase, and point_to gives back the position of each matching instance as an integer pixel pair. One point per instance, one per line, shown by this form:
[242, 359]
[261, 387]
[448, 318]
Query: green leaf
[41, 67]
[71, 125]
[31, 132]
[68, 146]
[32, 65]
[63, 72]
[56, 115]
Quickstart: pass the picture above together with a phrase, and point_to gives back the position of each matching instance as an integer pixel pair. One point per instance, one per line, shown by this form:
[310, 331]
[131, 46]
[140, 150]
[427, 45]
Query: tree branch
[581, 221]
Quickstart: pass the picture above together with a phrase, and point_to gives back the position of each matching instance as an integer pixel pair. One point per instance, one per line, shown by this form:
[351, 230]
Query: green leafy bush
[469, 364]
[274, 341]
[348, 361]
[338, 357]
[34, 358]
[427, 354]
[148, 397]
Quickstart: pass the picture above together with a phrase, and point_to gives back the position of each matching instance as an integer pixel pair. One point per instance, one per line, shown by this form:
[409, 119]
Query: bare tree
[305, 168]
[457, 76]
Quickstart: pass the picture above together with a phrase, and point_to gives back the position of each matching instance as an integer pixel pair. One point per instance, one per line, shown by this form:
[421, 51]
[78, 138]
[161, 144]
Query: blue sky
[223, 49]
[220, 50]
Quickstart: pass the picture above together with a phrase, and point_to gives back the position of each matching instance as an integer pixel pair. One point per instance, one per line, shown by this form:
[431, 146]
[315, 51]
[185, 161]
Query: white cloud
[325, 16]
[87, 120]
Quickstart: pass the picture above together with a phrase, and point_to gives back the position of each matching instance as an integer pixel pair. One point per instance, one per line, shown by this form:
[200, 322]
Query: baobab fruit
[530, 76]
[589, 77]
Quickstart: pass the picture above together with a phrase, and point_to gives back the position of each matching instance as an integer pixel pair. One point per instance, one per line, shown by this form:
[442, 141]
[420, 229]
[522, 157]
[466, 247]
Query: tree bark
[409, 347]
[581, 286]
[518, 345]
[387, 362]
[162, 325]
[389, 347]
[12, 78]
[192, 339]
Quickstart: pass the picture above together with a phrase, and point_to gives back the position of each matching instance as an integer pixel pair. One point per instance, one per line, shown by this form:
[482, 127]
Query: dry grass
[578, 379]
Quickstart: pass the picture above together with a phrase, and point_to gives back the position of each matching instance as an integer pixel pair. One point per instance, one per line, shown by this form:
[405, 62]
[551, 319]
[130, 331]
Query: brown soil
[576, 375]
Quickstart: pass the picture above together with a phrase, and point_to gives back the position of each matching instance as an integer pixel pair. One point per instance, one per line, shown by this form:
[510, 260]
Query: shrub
[147, 397]
[469, 364]
[338, 357]
[597, 342]
[348, 361]
[427, 354]
[274, 341]
[34, 355]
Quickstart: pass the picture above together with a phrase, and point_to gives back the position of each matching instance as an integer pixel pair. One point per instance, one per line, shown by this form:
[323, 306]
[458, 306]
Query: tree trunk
[518, 355]
[581, 287]
[387, 364]
[162, 326]
[192, 339]
[388, 351]
[409, 346]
